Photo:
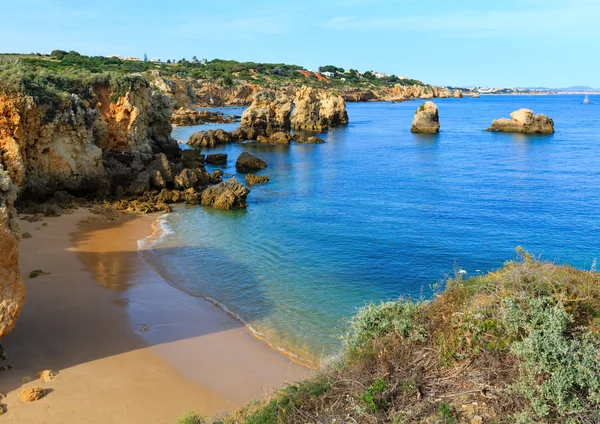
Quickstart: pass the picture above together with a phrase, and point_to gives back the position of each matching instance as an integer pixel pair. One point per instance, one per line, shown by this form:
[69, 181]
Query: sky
[508, 43]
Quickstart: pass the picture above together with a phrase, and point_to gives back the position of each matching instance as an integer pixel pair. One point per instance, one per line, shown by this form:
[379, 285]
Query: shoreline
[128, 346]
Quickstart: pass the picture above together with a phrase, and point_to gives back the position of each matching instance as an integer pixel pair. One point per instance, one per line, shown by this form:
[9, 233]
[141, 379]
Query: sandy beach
[128, 347]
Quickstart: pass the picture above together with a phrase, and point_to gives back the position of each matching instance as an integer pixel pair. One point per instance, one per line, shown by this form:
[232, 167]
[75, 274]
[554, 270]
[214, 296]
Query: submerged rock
[427, 119]
[524, 121]
[247, 162]
[252, 179]
[227, 195]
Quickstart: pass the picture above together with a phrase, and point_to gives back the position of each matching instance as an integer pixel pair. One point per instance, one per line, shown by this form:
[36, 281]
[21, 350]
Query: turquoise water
[377, 213]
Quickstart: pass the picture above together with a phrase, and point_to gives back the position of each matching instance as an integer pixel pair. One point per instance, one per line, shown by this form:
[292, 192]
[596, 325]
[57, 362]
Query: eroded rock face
[187, 117]
[268, 114]
[12, 289]
[427, 119]
[227, 195]
[247, 162]
[318, 110]
[524, 121]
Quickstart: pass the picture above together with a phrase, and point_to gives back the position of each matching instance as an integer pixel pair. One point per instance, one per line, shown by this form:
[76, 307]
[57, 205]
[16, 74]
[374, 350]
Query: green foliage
[372, 396]
[560, 365]
[448, 413]
[376, 321]
[190, 417]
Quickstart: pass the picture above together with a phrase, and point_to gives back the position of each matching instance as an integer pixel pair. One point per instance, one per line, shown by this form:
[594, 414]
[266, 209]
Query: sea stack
[427, 119]
[525, 122]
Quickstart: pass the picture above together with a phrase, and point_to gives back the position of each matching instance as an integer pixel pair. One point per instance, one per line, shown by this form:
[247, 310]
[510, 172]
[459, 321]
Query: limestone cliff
[318, 110]
[12, 290]
[269, 113]
[72, 148]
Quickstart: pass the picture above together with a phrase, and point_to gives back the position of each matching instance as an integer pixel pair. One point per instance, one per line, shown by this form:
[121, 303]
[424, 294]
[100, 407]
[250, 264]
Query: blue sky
[460, 42]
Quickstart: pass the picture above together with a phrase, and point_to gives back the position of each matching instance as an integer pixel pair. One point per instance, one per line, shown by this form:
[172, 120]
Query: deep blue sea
[377, 213]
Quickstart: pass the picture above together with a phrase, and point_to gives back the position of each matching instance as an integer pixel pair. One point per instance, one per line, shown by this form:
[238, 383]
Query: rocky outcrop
[524, 121]
[212, 138]
[427, 119]
[187, 117]
[12, 290]
[268, 114]
[279, 137]
[318, 110]
[252, 179]
[179, 91]
[217, 159]
[247, 162]
[227, 195]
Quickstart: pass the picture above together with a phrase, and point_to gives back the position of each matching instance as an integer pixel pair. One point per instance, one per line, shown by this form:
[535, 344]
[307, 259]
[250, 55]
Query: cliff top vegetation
[517, 345]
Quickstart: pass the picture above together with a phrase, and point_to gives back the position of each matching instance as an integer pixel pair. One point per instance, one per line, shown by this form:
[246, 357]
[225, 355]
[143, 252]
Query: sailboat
[586, 101]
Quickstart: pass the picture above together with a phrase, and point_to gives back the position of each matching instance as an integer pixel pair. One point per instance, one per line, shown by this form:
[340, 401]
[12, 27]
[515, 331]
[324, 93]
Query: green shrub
[190, 417]
[372, 396]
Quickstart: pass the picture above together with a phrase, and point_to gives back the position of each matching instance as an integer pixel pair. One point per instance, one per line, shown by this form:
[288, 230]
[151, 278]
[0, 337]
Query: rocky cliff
[12, 290]
[317, 110]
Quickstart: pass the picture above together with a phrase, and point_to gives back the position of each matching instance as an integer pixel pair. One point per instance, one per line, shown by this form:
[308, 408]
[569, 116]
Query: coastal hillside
[517, 345]
[228, 82]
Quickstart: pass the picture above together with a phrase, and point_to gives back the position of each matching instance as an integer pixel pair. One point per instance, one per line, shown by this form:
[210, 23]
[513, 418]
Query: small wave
[162, 229]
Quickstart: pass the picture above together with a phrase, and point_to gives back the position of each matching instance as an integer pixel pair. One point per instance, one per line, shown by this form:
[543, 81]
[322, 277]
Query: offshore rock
[318, 110]
[217, 159]
[227, 195]
[247, 162]
[427, 119]
[187, 117]
[524, 121]
[269, 113]
[211, 138]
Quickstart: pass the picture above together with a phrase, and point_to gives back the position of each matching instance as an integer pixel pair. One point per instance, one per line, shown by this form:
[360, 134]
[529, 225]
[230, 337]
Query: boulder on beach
[427, 119]
[227, 195]
[252, 179]
[247, 162]
[525, 122]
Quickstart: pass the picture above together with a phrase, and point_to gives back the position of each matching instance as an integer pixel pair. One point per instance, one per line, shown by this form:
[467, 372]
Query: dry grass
[462, 356]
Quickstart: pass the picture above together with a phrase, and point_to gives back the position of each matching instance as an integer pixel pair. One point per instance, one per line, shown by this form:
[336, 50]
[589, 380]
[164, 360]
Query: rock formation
[318, 110]
[524, 121]
[252, 179]
[227, 195]
[12, 290]
[247, 162]
[212, 138]
[268, 114]
[217, 159]
[187, 117]
[427, 119]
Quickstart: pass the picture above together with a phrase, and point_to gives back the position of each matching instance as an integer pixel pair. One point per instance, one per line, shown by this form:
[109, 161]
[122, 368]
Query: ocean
[377, 213]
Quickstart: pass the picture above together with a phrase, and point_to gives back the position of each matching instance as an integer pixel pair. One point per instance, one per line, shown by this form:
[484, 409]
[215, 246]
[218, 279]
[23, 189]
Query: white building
[155, 60]
[403, 77]
[134, 59]
[328, 74]
[380, 75]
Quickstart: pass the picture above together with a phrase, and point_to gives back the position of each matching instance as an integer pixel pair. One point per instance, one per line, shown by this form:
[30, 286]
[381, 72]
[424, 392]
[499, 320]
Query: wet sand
[129, 348]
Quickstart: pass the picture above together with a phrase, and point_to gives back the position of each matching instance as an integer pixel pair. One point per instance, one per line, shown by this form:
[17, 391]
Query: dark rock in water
[525, 122]
[211, 138]
[217, 159]
[227, 195]
[216, 177]
[252, 179]
[247, 162]
[427, 119]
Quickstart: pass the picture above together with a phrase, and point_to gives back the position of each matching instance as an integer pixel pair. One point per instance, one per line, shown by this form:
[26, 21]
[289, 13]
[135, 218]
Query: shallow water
[377, 213]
